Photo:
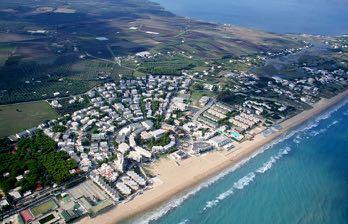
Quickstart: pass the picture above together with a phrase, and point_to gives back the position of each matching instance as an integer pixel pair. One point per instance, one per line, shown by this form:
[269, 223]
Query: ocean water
[326, 17]
[300, 178]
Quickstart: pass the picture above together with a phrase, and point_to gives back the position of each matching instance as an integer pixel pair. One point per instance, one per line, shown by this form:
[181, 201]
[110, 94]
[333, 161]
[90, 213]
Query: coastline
[175, 179]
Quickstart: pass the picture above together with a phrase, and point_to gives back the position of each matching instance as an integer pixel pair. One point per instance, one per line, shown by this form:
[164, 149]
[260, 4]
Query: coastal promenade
[175, 179]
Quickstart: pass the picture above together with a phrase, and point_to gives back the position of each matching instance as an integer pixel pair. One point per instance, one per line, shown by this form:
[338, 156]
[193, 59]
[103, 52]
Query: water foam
[184, 221]
[333, 123]
[266, 166]
[247, 179]
[158, 213]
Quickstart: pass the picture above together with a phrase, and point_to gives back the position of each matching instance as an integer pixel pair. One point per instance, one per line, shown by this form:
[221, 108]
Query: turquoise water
[328, 17]
[301, 178]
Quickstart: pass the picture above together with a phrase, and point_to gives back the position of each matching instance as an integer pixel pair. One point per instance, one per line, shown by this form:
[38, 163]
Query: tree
[39, 155]
[198, 86]
[230, 97]
[59, 128]
[5, 145]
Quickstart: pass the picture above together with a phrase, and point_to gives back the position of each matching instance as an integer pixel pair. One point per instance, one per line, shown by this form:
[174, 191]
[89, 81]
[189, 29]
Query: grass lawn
[196, 95]
[43, 208]
[21, 116]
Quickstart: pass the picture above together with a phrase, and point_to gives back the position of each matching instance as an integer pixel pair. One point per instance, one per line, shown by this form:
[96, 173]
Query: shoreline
[200, 168]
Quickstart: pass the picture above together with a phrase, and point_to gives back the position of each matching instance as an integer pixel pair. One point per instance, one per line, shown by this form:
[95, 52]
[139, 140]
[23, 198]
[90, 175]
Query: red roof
[27, 216]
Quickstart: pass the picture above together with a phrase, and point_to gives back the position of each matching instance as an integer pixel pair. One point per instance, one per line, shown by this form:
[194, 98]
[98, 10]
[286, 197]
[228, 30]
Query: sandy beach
[174, 178]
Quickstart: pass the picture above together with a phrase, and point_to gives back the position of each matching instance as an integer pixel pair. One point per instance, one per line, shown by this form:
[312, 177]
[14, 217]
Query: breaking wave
[247, 179]
[184, 221]
[333, 123]
[177, 201]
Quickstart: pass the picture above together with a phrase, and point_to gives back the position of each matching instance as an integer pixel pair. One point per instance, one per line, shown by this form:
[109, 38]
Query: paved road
[206, 107]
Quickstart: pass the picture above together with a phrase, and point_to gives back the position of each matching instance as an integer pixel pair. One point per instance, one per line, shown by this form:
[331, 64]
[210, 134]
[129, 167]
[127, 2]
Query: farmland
[44, 49]
[18, 117]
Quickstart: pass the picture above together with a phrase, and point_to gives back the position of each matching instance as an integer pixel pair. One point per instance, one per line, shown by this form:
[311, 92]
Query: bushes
[230, 97]
[155, 106]
[164, 140]
[198, 86]
[58, 128]
[5, 145]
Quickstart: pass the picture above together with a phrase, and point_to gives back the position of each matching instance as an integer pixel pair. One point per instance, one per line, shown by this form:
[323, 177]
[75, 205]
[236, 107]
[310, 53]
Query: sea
[300, 178]
[324, 17]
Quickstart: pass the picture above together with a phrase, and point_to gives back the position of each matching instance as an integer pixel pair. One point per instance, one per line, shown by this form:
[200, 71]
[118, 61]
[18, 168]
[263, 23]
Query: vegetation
[164, 140]
[29, 80]
[72, 60]
[58, 165]
[196, 95]
[43, 208]
[230, 97]
[58, 128]
[163, 70]
[157, 121]
[18, 117]
[5, 145]
[46, 219]
[37, 155]
[174, 66]
[155, 106]
[198, 86]
[69, 108]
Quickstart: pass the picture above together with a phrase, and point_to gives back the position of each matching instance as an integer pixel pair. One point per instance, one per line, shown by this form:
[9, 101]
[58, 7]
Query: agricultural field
[21, 116]
[49, 46]
[168, 65]
[27, 81]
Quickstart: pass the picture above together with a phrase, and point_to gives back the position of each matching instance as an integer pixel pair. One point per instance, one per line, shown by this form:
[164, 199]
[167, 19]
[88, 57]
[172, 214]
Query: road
[206, 107]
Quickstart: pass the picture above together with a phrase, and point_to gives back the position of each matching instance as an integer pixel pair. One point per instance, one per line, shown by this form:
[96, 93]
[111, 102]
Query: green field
[43, 208]
[196, 95]
[21, 116]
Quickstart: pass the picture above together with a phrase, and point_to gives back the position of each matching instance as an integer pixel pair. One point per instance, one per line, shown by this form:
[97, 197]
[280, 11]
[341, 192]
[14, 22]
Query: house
[3, 203]
[123, 148]
[143, 152]
[132, 142]
[147, 124]
[15, 193]
[180, 155]
[200, 147]
[27, 216]
[219, 141]
[136, 177]
[158, 133]
[145, 135]
[203, 101]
